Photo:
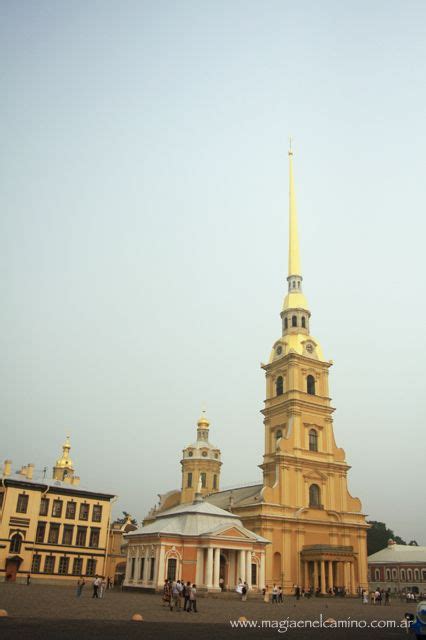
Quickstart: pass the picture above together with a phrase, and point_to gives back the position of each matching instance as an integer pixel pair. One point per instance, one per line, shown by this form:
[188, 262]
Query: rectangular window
[94, 537]
[53, 534]
[91, 567]
[254, 573]
[41, 531]
[84, 511]
[44, 507]
[49, 564]
[63, 565]
[132, 571]
[1, 498]
[152, 567]
[22, 505]
[67, 534]
[71, 510]
[142, 569]
[77, 567]
[80, 540]
[57, 508]
[189, 483]
[97, 513]
[36, 563]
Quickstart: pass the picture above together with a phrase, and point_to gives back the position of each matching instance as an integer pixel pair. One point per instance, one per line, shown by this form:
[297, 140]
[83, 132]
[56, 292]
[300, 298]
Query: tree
[379, 535]
[125, 518]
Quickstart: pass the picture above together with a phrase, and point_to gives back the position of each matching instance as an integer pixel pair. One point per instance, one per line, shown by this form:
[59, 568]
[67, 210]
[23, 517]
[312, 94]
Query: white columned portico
[199, 572]
[248, 568]
[216, 568]
[209, 568]
[262, 584]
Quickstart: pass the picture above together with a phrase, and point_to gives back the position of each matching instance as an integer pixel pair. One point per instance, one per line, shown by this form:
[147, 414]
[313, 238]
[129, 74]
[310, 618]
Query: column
[323, 588]
[159, 573]
[128, 568]
[137, 565]
[262, 571]
[248, 568]
[216, 568]
[330, 575]
[231, 570]
[306, 584]
[315, 575]
[146, 567]
[209, 568]
[199, 570]
[346, 575]
[353, 587]
[241, 565]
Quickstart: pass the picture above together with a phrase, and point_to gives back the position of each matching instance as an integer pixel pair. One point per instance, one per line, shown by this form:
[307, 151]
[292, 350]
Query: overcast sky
[143, 233]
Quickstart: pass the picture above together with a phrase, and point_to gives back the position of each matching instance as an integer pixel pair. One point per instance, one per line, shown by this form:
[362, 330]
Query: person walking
[167, 593]
[274, 594]
[80, 586]
[28, 580]
[280, 594]
[244, 590]
[186, 593]
[179, 586]
[265, 594]
[96, 584]
[193, 599]
[174, 601]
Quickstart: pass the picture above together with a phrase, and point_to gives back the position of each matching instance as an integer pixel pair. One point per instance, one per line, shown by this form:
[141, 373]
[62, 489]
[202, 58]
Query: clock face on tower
[309, 347]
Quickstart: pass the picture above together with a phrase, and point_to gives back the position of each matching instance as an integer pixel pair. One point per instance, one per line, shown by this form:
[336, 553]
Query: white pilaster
[216, 568]
[209, 568]
[262, 571]
[248, 568]
[199, 571]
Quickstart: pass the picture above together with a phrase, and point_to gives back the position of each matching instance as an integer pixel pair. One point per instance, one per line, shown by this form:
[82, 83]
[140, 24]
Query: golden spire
[293, 239]
[65, 460]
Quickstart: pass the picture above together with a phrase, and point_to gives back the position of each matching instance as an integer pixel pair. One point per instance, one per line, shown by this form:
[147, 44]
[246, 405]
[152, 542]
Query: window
[84, 511]
[310, 385]
[424, 575]
[71, 510]
[171, 569]
[279, 385]
[215, 481]
[409, 575]
[394, 574]
[22, 505]
[152, 569]
[97, 513]
[189, 480]
[41, 531]
[80, 540]
[314, 496]
[91, 567]
[203, 479]
[63, 565]
[254, 573]
[36, 563]
[388, 574]
[67, 534]
[77, 567]
[278, 434]
[132, 569]
[416, 575]
[44, 507]
[313, 440]
[142, 569]
[285, 323]
[53, 534]
[49, 564]
[377, 574]
[294, 321]
[303, 322]
[15, 543]
[403, 574]
[57, 508]
[94, 537]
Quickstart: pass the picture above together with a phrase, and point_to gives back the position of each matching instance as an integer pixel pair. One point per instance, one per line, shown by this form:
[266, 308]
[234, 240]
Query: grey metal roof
[53, 484]
[236, 497]
[399, 553]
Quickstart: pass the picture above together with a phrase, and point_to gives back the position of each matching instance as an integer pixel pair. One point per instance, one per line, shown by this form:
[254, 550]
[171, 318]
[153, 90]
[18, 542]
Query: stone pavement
[44, 611]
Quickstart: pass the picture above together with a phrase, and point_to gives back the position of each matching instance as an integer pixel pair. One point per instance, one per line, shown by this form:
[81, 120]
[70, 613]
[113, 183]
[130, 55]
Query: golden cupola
[200, 464]
[64, 466]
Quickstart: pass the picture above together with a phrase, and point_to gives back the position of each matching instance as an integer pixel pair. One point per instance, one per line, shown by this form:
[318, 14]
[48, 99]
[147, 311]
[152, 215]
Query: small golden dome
[202, 421]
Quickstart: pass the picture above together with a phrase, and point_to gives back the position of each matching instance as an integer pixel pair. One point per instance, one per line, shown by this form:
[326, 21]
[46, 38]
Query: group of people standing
[99, 585]
[378, 596]
[180, 595]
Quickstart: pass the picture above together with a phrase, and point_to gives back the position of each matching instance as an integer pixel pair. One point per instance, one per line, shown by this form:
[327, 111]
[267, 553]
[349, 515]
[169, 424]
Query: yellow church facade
[302, 506]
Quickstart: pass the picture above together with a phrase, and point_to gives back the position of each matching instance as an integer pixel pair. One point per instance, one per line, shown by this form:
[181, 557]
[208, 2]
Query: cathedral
[303, 525]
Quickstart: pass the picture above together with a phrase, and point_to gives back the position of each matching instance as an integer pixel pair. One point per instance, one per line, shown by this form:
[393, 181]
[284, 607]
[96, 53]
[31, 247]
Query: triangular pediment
[234, 531]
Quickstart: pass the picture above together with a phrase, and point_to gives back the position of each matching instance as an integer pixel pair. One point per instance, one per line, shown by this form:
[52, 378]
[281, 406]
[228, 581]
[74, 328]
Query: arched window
[394, 575]
[409, 575]
[279, 385]
[278, 434]
[294, 321]
[215, 481]
[15, 543]
[285, 323]
[310, 385]
[303, 322]
[171, 569]
[416, 575]
[377, 574]
[313, 440]
[189, 480]
[314, 496]
[203, 479]
[388, 574]
[403, 574]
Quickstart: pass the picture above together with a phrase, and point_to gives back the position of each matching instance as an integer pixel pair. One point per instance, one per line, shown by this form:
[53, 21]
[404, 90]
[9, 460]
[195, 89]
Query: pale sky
[143, 233]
